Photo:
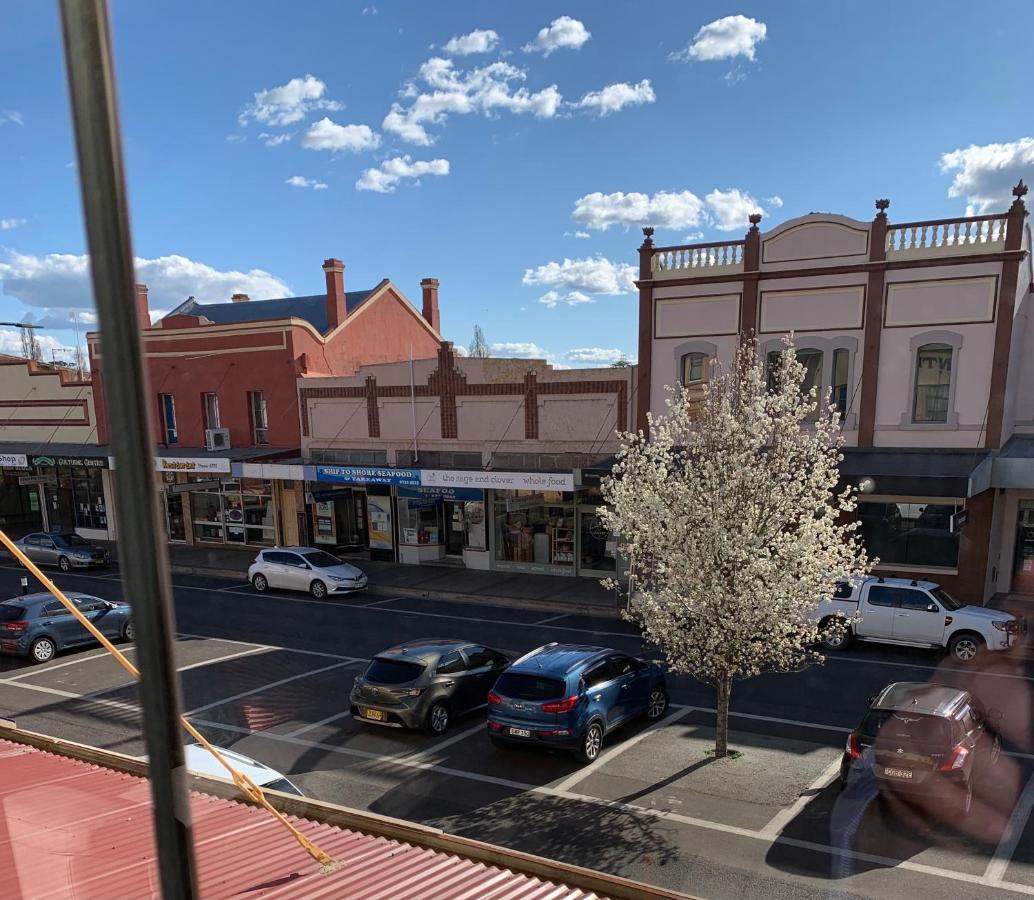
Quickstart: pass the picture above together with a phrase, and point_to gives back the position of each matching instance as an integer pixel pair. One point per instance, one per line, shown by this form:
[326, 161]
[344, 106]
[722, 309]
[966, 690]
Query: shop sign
[500, 481]
[442, 493]
[534, 500]
[959, 520]
[14, 461]
[184, 464]
[88, 462]
[367, 475]
[270, 471]
[48, 480]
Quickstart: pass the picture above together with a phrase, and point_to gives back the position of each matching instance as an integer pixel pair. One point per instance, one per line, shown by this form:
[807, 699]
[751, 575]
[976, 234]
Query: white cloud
[520, 350]
[577, 234]
[11, 343]
[562, 33]
[731, 209]
[448, 90]
[62, 319]
[62, 281]
[369, 11]
[615, 97]
[230, 139]
[480, 40]
[593, 275]
[595, 355]
[775, 202]
[985, 175]
[288, 103]
[275, 140]
[328, 135]
[8, 224]
[573, 298]
[384, 179]
[662, 210]
[725, 38]
[11, 115]
[299, 182]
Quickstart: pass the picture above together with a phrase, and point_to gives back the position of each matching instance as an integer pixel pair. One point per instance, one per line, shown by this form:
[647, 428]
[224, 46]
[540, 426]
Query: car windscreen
[906, 727]
[392, 671]
[285, 786]
[320, 560]
[529, 687]
[946, 600]
[71, 540]
[11, 613]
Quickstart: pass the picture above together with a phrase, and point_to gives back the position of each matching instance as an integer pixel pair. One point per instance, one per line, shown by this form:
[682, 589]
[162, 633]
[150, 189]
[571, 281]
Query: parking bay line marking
[72, 662]
[68, 695]
[441, 745]
[884, 861]
[313, 725]
[272, 684]
[551, 619]
[1010, 839]
[786, 815]
[212, 637]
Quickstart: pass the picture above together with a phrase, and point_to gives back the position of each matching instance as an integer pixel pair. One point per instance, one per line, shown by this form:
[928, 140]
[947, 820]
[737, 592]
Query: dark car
[38, 625]
[566, 696]
[925, 741]
[65, 550]
[426, 683]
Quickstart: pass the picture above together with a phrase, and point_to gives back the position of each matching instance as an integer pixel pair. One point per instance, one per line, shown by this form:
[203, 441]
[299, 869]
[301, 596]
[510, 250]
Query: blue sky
[510, 150]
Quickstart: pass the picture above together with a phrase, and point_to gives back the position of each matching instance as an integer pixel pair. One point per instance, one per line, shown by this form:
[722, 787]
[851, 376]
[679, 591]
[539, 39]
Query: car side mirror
[932, 608]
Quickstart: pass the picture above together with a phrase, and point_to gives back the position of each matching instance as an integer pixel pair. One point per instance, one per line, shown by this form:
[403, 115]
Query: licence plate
[374, 714]
[519, 732]
[897, 773]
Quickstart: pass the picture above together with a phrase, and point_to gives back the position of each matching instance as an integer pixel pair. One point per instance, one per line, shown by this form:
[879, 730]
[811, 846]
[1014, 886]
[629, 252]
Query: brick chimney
[240, 298]
[335, 272]
[142, 311]
[429, 287]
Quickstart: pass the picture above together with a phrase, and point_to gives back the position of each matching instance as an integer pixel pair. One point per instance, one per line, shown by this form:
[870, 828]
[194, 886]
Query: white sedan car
[304, 569]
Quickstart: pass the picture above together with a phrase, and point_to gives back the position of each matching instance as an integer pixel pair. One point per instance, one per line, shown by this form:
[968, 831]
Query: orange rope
[246, 785]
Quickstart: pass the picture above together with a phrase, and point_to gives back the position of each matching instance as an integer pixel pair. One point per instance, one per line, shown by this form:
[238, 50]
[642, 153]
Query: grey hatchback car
[38, 625]
[425, 683]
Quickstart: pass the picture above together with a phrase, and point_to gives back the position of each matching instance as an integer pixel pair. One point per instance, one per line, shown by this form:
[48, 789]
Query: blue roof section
[313, 309]
[558, 659]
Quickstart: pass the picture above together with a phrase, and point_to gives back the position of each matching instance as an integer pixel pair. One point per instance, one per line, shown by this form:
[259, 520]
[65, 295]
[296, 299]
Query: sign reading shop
[86, 462]
[13, 461]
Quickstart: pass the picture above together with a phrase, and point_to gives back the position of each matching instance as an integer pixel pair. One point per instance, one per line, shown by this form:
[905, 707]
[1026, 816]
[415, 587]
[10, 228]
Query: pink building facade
[920, 332]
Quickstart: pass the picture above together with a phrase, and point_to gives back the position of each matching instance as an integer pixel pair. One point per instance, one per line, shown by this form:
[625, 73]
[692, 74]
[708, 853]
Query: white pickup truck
[914, 614]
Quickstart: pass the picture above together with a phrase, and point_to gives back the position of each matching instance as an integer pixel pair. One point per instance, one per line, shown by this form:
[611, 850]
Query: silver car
[304, 569]
[66, 550]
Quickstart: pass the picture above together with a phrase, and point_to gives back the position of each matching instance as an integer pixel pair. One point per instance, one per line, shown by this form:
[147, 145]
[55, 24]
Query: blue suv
[570, 697]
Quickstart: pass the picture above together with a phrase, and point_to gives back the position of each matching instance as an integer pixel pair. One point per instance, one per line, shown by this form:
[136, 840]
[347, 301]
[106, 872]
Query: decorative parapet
[689, 260]
[946, 237]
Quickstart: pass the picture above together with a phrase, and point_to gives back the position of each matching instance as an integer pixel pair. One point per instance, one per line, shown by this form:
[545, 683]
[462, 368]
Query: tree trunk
[721, 736]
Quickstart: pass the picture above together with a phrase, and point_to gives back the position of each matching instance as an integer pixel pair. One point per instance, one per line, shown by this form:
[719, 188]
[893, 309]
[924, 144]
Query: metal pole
[143, 556]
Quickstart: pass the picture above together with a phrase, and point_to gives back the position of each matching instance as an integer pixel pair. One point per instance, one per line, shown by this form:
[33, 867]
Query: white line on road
[1010, 839]
[551, 619]
[212, 637]
[381, 602]
[218, 659]
[786, 815]
[266, 687]
[68, 695]
[480, 728]
[307, 728]
[72, 662]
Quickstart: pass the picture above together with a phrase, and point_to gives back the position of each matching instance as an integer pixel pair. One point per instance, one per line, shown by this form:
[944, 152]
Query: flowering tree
[730, 517]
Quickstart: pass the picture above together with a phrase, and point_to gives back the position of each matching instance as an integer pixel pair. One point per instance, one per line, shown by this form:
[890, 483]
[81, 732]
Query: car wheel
[592, 743]
[129, 632]
[657, 705]
[318, 589]
[63, 564]
[965, 647]
[42, 650]
[840, 640]
[437, 722]
[259, 583]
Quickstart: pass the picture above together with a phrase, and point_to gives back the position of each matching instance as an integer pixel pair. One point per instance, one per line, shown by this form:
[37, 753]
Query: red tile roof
[73, 829]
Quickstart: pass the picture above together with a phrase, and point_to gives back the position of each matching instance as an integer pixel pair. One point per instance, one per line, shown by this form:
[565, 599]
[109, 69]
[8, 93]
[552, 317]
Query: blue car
[38, 625]
[570, 697]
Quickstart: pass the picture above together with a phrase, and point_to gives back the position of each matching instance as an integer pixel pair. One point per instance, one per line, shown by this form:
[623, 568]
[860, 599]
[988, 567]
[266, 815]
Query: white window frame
[826, 346]
[950, 339]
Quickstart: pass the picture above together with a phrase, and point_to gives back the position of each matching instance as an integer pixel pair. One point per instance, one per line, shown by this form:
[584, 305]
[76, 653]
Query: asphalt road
[269, 676]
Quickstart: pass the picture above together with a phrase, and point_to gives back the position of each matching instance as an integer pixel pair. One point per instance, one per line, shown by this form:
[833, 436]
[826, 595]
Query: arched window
[933, 383]
[694, 369]
[811, 359]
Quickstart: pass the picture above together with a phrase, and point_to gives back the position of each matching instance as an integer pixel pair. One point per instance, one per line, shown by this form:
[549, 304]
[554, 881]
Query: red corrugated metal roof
[72, 829]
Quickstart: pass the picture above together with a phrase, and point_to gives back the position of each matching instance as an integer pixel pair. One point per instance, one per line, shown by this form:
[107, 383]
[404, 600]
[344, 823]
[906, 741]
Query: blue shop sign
[367, 475]
[441, 493]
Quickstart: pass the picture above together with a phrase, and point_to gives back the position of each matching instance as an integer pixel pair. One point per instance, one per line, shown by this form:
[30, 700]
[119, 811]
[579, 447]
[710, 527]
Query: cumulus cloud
[985, 175]
[775, 202]
[62, 319]
[288, 103]
[615, 97]
[663, 210]
[560, 34]
[384, 179]
[725, 38]
[520, 350]
[480, 40]
[328, 135]
[62, 281]
[299, 182]
[446, 91]
[595, 355]
[572, 298]
[591, 275]
[8, 224]
[731, 209]
[11, 343]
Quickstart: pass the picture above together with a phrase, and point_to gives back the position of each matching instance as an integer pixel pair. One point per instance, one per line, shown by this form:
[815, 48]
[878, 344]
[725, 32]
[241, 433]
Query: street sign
[48, 480]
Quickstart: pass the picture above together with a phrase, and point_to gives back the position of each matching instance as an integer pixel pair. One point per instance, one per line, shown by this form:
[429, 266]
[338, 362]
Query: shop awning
[1012, 467]
[914, 472]
[50, 454]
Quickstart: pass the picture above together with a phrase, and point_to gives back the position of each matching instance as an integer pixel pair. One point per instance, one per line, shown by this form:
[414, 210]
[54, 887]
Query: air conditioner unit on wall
[217, 438]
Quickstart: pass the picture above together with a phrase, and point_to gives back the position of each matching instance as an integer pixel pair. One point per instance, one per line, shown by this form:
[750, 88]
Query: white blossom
[730, 517]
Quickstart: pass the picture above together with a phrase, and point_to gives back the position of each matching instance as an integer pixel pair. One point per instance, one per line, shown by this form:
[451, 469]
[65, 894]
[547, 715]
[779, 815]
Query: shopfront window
[420, 520]
[474, 520]
[910, 534]
[88, 497]
[234, 512]
[535, 528]
[206, 511]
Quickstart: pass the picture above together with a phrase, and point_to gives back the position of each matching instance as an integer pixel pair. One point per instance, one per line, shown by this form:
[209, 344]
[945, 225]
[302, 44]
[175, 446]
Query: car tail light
[494, 699]
[556, 732]
[15, 626]
[408, 692]
[854, 746]
[956, 760]
[494, 726]
[561, 706]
